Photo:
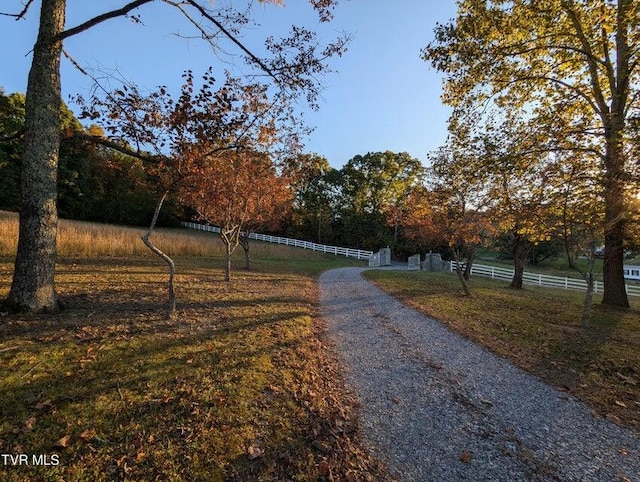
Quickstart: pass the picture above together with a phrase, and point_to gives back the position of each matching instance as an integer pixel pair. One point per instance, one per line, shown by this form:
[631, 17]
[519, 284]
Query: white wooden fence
[541, 279]
[348, 252]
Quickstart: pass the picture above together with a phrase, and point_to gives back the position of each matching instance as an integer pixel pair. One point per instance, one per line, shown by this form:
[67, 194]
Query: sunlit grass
[540, 330]
[78, 239]
[238, 387]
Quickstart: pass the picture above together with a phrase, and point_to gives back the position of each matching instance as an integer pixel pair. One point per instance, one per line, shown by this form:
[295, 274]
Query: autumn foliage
[238, 190]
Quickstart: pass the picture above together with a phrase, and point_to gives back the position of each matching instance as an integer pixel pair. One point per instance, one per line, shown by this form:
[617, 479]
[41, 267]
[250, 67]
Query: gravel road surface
[437, 407]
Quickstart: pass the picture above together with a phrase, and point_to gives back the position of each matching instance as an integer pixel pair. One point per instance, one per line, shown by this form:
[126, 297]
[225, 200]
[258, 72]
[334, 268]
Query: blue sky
[381, 97]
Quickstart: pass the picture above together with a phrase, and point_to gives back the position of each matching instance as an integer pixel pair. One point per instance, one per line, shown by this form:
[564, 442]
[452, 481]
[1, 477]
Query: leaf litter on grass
[239, 387]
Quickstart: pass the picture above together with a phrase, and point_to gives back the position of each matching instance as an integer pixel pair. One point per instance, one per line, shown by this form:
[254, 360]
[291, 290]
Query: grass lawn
[239, 387]
[539, 330]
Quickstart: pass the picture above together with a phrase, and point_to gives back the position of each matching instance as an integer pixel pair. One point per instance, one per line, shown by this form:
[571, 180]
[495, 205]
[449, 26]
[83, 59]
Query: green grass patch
[540, 330]
[238, 387]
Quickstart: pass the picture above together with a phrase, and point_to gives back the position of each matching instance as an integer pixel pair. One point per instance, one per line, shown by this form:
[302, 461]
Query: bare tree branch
[22, 14]
[228, 34]
[116, 146]
[75, 63]
[121, 12]
[143, 156]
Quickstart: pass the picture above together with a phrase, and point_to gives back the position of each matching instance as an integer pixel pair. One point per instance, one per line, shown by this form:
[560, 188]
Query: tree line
[95, 183]
[470, 195]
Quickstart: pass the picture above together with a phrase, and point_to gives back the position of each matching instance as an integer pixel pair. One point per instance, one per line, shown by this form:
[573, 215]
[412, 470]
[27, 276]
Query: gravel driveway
[437, 407]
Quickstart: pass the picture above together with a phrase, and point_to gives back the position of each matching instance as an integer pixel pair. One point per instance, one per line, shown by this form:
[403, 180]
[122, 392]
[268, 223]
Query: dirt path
[437, 407]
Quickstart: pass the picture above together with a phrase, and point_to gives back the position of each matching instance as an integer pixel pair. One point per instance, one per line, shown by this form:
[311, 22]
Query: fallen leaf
[621, 404]
[254, 452]
[465, 457]
[324, 469]
[41, 405]
[63, 442]
[30, 423]
[88, 434]
[612, 418]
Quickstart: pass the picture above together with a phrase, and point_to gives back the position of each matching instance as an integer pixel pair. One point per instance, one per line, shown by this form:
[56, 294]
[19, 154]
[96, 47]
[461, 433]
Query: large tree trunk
[615, 293]
[33, 278]
[519, 259]
[613, 120]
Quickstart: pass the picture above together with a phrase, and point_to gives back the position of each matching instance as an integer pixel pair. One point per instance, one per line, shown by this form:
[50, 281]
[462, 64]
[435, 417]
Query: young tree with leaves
[237, 190]
[579, 205]
[458, 197]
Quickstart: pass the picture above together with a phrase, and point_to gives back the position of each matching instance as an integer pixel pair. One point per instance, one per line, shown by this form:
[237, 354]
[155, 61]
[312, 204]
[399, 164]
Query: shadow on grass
[164, 403]
[600, 363]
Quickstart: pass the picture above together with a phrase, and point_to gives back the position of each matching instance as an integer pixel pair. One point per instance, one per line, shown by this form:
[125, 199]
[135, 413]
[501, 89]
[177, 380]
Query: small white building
[631, 272]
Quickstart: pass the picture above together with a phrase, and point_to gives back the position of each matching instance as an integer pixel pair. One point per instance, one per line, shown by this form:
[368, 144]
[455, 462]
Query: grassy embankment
[539, 330]
[239, 387]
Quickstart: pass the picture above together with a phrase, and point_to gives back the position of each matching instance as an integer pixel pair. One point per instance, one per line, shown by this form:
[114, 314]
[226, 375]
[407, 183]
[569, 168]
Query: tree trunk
[469, 265]
[227, 266]
[588, 300]
[463, 281]
[33, 287]
[615, 293]
[519, 258]
[613, 119]
[244, 242]
[172, 267]
[231, 238]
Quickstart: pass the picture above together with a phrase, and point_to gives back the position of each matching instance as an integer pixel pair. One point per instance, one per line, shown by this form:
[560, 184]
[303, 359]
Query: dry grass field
[79, 239]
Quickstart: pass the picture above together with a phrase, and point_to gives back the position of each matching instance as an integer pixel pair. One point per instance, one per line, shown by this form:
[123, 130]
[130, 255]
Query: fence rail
[541, 279]
[336, 250]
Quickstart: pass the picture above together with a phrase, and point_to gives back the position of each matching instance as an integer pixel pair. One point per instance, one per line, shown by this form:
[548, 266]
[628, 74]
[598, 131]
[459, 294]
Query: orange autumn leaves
[237, 188]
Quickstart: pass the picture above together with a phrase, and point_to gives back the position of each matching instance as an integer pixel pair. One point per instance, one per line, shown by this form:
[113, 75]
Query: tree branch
[101, 18]
[75, 63]
[21, 15]
[603, 108]
[111, 144]
[228, 34]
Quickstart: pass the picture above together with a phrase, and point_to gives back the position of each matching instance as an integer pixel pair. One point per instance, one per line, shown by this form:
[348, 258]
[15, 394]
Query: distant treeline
[95, 183]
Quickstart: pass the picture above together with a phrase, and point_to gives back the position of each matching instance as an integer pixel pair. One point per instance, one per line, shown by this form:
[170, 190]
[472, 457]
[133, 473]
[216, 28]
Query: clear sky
[382, 96]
